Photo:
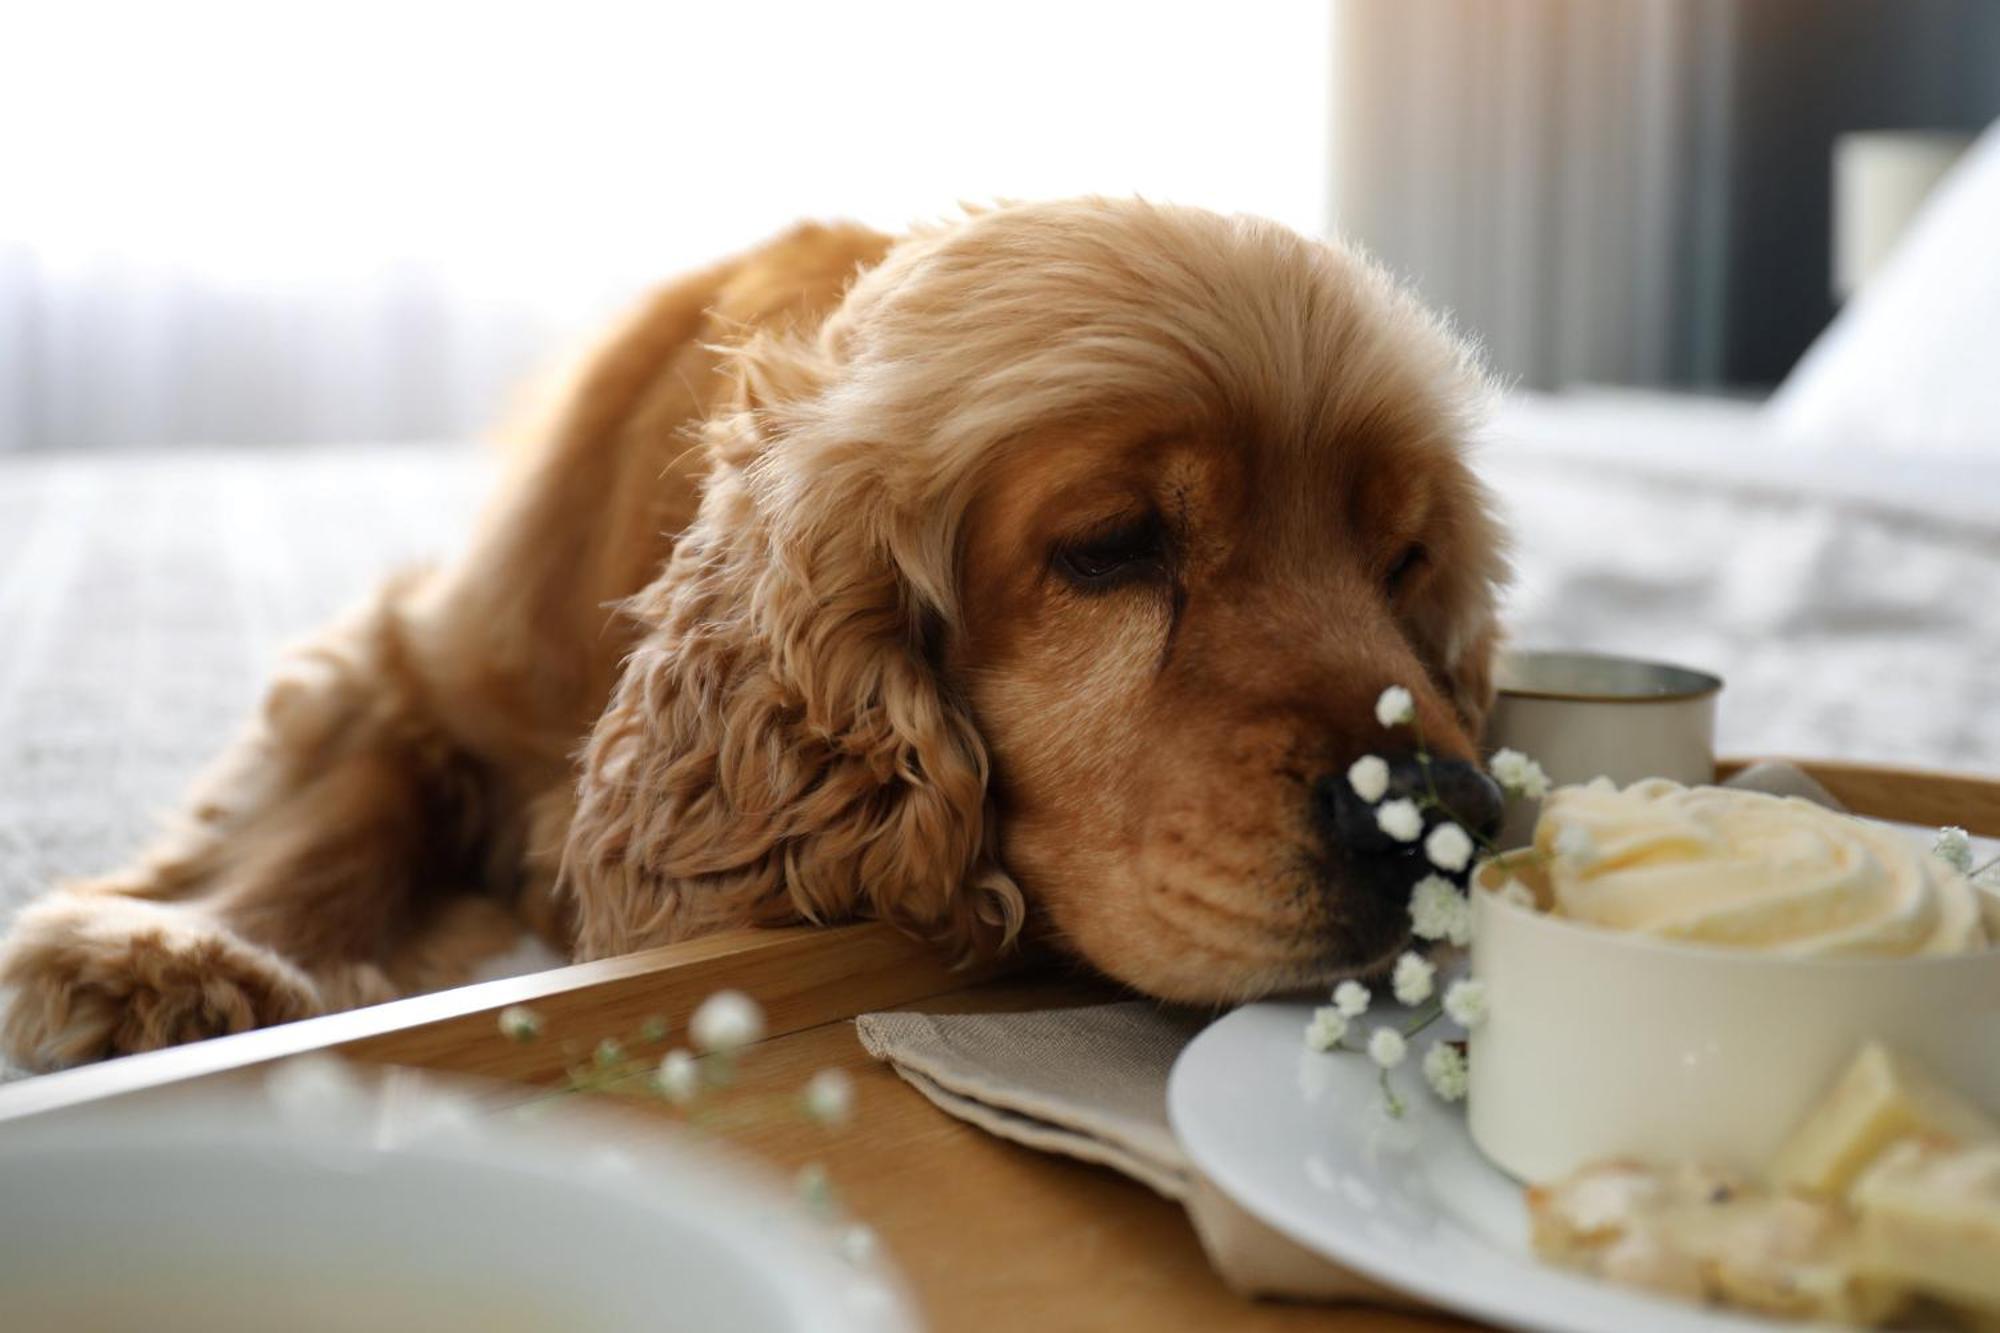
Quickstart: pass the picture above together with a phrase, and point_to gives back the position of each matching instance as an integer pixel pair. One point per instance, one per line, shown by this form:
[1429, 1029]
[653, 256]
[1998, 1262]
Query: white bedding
[1849, 595]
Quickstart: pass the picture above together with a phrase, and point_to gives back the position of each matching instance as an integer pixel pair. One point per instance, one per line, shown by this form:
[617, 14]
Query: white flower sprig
[1400, 819]
[829, 1097]
[1449, 848]
[1369, 776]
[1575, 844]
[1518, 774]
[1395, 706]
[679, 1077]
[1327, 1029]
[726, 1022]
[1387, 1047]
[1445, 1070]
[1954, 848]
[1439, 912]
[720, 1030]
[1413, 979]
[1465, 1002]
[520, 1023]
[1387, 1044]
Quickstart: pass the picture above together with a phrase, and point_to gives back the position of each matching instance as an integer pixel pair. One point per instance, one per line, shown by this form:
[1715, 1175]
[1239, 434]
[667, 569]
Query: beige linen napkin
[1091, 1083]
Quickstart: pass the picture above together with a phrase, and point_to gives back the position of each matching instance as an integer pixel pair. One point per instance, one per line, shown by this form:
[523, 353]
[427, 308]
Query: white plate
[1299, 1139]
[338, 1202]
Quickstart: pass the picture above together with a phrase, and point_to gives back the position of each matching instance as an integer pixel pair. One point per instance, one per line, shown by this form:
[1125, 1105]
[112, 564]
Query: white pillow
[1913, 362]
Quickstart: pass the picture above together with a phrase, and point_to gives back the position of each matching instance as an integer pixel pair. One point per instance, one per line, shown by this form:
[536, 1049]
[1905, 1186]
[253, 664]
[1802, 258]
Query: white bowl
[339, 1201]
[1600, 1044]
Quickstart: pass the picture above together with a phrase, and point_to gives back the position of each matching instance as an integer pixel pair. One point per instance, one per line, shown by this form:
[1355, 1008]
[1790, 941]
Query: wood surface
[1906, 795]
[802, 976]
[992, 1236]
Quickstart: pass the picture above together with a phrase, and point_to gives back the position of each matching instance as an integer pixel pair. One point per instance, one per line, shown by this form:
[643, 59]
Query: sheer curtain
[1633, 191]
[1555, 172]
[263, 223]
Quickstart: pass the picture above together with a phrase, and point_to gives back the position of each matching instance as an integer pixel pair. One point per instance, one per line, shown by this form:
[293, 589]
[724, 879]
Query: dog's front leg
[314, 851]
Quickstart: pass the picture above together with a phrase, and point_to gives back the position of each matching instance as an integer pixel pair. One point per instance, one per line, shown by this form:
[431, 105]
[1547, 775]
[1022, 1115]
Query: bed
[1849, 596]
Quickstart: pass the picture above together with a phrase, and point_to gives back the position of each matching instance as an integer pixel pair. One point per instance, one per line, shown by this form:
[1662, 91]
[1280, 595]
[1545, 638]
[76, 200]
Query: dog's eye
[1130, 550]
[1409, 562]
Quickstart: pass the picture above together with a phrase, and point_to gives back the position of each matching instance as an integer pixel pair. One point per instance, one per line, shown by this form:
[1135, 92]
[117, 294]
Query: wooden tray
[990, 1234]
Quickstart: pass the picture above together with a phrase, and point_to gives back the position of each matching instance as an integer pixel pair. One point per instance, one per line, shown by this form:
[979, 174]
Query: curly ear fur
[1471, 679]
[1459, 633]
[1468, 644]
[780, 746]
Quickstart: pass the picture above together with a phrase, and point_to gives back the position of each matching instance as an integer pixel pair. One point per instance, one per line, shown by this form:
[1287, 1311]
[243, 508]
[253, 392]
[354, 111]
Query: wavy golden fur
[795, 561]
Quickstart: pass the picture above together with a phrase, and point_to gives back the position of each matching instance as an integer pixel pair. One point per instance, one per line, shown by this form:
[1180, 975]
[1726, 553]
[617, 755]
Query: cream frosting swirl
[1745, 870]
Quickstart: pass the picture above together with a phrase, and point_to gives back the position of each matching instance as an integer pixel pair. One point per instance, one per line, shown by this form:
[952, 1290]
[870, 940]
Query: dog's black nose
[1445, 791]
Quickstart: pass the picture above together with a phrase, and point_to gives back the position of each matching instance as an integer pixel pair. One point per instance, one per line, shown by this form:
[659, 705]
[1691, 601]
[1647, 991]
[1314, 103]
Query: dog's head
[1059, 571]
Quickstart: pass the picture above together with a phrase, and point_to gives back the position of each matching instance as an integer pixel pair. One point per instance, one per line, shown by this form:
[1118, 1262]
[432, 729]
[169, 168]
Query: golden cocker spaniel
[1044, 567]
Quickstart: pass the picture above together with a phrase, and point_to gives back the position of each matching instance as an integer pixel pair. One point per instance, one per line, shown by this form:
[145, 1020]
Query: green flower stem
[1432, 1011]
[634, 1078]
[1390, 1101]
[1424, 762]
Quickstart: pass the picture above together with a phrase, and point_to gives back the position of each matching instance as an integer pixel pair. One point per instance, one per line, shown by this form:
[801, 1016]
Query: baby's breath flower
[1351, 999]
[608, 1053]
[1434, 901]
[1576, 843]
[1449, 847]
[653, 1029]
[1445, 1070]
[1458, 931]
[857, 1244]
[1386, 1047]
[1400, 820]
[1395, 706]
[726, 1020]
[1413, 978]
[1517, 893]
[1369, 776]
[1518, 774]
[1954, 848]
[679, 1077]
[829, 1097]
[1327, 1028]
[1465, 1002]
[520, 1023]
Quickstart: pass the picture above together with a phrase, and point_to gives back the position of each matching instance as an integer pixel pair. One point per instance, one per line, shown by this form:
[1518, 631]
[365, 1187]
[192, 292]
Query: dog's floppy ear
[780, 746]
[1459, 631]
[1471, 675]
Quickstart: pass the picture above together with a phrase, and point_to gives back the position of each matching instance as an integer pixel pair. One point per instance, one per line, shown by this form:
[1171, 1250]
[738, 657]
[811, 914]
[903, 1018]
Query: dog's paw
[98, 975]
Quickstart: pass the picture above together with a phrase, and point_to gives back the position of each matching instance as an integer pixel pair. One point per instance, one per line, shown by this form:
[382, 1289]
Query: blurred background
[263, 223]
[266, 223]
[268, 269]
